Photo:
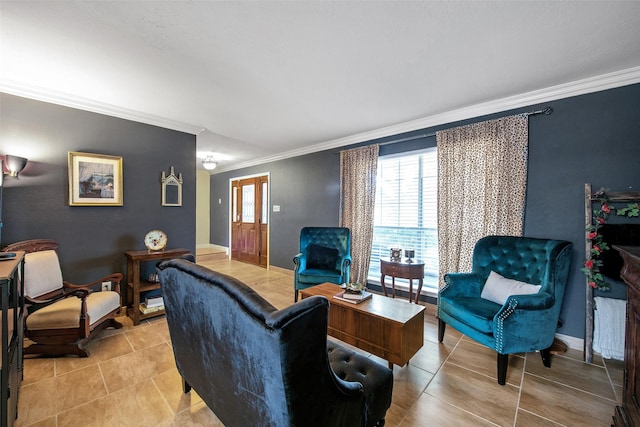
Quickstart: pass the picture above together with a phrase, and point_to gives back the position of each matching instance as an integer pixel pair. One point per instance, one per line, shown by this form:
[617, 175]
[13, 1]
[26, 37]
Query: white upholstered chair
[62, 316]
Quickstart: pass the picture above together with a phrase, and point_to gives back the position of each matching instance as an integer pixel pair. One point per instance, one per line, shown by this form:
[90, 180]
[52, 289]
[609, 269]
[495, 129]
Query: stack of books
[154, 301]
[152, 304]
[354, 297]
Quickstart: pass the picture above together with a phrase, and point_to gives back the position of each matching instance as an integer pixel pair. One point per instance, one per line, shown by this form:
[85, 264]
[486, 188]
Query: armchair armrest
[113, 278]
[521, 310]
[539, 301]
[300, 261]
[279, 318]
[36, 304]
[345, 268]
[463, 284]
[346, 262]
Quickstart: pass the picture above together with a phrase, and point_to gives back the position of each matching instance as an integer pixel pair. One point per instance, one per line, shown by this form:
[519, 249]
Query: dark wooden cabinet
[11, 321]
[628, 414]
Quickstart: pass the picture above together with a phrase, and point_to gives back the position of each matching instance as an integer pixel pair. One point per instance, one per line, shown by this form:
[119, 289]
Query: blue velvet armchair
[325, 256]
[531, 279]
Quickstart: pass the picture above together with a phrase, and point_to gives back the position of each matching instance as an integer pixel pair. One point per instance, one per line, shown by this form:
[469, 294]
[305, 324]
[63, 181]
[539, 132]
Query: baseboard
[571, 342]
[281, 270]
[217, 248]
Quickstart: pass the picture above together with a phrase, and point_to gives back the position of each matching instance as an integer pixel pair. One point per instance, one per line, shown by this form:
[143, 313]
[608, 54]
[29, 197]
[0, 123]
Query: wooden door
[249, 227]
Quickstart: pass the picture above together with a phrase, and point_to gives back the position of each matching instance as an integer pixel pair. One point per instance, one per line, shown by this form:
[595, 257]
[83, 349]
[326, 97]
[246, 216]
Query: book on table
[155, 301]
[353, 297]
[146, 310]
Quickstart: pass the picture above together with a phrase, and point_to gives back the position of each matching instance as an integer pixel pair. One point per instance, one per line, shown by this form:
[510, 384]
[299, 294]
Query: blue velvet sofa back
[255, 365]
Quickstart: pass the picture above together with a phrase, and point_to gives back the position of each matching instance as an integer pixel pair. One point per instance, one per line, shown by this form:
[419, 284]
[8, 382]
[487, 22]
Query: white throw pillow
[498, 288]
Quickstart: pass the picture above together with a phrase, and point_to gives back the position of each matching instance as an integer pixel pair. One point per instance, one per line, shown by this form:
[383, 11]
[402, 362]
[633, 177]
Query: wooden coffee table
[389, 328]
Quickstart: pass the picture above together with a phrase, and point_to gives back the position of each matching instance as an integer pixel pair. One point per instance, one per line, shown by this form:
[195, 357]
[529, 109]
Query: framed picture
[171, 189]
[95, 180]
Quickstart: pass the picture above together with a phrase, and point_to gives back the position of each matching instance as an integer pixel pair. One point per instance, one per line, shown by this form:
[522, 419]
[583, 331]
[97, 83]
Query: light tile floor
[130, 379]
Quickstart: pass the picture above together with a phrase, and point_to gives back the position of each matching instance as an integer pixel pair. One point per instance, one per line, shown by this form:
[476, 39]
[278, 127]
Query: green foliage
[632, 210]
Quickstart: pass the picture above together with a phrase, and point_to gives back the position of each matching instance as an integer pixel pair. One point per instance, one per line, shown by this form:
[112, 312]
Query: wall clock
[155, 240]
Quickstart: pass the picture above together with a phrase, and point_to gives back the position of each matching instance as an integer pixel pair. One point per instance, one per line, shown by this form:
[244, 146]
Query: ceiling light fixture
[209, 163]
[15, 164]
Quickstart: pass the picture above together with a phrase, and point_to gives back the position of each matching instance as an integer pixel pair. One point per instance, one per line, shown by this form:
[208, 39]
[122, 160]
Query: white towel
[609, 325]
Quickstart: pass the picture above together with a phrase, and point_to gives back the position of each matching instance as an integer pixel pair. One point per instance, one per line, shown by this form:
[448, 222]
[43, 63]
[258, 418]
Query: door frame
[230, 224]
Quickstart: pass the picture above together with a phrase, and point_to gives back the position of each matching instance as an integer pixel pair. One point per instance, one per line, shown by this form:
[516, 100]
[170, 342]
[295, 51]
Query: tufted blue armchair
[325, 256]
[526, 321]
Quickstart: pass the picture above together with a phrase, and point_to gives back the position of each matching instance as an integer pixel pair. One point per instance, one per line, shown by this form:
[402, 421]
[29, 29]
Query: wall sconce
[209, 163]
[14, 165]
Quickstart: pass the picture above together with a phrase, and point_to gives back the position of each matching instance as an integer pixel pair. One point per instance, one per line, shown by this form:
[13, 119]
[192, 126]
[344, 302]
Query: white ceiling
[261, 80]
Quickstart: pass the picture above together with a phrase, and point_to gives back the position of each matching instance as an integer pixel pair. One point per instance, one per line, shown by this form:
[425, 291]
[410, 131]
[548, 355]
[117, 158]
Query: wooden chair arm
[114, 278]
[36, 304]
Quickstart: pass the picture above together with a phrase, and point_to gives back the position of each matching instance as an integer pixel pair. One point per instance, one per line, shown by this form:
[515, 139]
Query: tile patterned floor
[130, 379]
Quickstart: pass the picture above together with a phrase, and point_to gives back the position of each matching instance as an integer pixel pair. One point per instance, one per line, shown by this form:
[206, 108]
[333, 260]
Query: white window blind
[406, 212]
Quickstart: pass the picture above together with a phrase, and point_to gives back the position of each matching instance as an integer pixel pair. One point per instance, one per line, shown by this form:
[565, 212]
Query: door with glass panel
[249, 235]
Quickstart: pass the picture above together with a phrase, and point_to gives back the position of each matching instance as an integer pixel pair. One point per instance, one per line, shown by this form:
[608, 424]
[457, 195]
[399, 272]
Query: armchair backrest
[536, 261]
[250, 362]
[41, 266]
[42, 273]
[329, 237]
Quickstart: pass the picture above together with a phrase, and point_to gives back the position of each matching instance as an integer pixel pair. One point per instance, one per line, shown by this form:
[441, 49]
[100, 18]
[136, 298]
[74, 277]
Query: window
[406, 213]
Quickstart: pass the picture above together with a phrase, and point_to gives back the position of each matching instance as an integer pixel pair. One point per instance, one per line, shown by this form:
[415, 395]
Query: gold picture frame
[95, 179]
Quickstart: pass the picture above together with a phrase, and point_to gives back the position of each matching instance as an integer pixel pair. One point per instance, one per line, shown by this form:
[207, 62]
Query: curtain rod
[408, 138]
[546, 111]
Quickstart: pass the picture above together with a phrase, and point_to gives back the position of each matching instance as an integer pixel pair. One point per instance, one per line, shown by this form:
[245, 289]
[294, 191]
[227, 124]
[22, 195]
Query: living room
[591, 137]
[584, 140]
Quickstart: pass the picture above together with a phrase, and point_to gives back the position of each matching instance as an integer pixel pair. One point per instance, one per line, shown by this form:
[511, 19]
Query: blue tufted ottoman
[376, 379]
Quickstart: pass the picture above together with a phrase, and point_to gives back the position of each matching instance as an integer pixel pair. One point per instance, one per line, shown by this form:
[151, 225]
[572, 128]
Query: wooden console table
[404, 270]
[135, 283]
[629, 413]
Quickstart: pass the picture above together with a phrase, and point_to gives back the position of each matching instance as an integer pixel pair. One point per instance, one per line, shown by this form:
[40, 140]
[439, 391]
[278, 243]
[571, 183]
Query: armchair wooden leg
[441, 327]
[503, 362]
[295, 295]
[546, 357]
[113, 323]
[57, 349]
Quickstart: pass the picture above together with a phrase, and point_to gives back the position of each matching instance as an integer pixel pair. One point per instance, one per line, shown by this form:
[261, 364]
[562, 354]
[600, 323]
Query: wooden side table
[404, 270]
[137, 285]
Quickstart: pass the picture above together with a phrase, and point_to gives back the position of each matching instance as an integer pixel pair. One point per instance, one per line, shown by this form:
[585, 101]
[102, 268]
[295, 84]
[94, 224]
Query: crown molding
[579, 87]
[567, 90]
[55, 97]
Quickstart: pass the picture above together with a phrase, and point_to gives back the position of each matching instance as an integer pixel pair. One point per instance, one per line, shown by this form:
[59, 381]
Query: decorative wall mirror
[171, 189]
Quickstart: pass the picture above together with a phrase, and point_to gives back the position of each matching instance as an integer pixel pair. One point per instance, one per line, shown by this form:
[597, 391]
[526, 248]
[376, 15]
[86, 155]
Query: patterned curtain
[358, 170]
[482, 181]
